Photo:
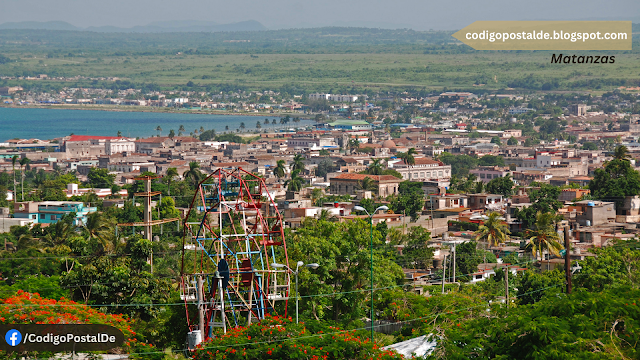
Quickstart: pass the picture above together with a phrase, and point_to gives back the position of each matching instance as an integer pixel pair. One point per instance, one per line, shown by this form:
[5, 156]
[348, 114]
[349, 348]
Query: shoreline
[147, 109]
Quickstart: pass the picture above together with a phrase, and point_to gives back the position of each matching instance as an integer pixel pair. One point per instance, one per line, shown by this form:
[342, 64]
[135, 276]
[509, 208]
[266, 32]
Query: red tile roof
[352, 176]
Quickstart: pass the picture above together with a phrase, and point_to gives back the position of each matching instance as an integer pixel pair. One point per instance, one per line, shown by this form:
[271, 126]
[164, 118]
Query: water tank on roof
[591, 203]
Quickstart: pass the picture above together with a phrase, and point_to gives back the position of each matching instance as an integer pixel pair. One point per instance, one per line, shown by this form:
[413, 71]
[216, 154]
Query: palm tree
[159, 130]
[295, 182]
[98, 228]
[58, 233]
[193, 173]
[13, 165]
[327, 216]
[621, 153]
[353, 144]
[375, 168]
[226, 128]
[545, 236]
[266, 121]
[119, 133]
[279, 171]
[494, 231]
[242, 126]
[171, 173]
[23, 162]
[274, 122]
[408, 157]
[368, 184]
[258, 124]
[298, 163]
[181, 130]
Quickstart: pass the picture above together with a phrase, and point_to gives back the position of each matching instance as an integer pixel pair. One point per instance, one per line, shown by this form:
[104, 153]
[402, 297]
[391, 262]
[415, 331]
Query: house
[424, 169]
[49, 212]
[572, 194]
[349, 183]
[73, 190]
[486, 201]
[488, 173]
[592, 212]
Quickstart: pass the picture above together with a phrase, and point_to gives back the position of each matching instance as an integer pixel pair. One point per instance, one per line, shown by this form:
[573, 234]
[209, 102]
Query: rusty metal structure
[227, 253]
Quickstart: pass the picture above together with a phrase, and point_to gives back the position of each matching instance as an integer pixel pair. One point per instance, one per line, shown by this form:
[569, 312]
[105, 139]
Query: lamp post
[298, 264]
[360, 208]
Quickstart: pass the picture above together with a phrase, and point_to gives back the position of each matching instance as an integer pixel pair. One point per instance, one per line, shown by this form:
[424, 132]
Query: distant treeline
[317, 40]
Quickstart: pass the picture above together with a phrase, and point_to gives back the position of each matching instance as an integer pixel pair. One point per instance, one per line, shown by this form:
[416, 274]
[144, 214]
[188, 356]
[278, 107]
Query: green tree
[368, 184]
[159, 130]
[279, 170]
[544, 236]
[343, 252]
[193, 173]
[460, 164]
[376, 167]
[295, 183]
[100, 178]
[172, 134]
[410, 204]
[298, 163]
[621, 153]
[613, 266]
[490, 160]
[171, 174]
[324, 167]
[534, 286]
[467, 260]
[23, 162]
[589, 146]
[493, 230]
[512, 141]
[542, 200]
[416, 252]
[501, 185]
[617, 180]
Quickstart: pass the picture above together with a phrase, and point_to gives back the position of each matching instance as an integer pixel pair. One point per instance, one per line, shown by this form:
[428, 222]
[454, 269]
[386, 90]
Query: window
[478, 277]
[422, 174]
[415, 175]
[428, 174]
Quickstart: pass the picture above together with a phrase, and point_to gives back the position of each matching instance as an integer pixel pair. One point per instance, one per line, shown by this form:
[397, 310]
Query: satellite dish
[223, 269]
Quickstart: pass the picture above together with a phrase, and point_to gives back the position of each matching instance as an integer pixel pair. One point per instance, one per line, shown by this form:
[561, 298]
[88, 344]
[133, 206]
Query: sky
[283, 14]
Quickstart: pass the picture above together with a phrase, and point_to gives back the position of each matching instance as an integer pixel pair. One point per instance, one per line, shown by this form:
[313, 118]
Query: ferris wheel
[227, 254]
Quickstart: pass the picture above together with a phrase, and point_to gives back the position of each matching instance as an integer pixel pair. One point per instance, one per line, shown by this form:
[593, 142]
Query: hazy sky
[275, 14]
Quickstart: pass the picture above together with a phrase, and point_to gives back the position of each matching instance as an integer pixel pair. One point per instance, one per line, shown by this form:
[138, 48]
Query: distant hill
[155, 27]
[35, 25]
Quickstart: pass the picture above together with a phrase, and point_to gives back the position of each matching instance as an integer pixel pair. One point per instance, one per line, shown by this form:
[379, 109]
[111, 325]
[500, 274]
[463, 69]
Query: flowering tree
[31, 308]
[281, 338]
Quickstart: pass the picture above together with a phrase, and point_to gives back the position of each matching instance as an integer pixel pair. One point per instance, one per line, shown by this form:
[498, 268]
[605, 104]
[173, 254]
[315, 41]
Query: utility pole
[567, 258]
[454, 263]
[444, 271]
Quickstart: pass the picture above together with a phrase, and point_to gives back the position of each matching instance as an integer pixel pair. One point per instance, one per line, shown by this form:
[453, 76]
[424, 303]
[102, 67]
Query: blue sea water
[28, 123]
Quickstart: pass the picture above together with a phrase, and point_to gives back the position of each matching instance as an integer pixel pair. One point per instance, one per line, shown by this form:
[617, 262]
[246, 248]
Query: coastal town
[447, 191]
[468, 155]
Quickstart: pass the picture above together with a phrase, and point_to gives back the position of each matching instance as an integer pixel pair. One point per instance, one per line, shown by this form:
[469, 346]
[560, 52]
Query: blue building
[49, 212]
